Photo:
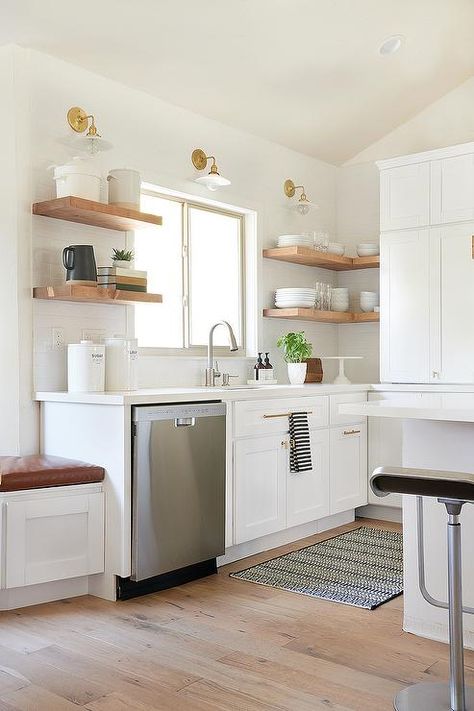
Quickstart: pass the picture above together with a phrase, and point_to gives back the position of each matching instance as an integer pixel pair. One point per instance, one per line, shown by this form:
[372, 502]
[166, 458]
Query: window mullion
[186, 275]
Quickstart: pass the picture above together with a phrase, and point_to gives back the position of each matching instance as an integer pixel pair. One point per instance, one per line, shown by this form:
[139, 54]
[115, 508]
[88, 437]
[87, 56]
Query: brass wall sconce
[213, 180]
[303, 205]
[80, 122]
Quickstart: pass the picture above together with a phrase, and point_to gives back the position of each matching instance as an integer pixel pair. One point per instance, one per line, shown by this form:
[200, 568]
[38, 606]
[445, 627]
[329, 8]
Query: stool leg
[457, 693]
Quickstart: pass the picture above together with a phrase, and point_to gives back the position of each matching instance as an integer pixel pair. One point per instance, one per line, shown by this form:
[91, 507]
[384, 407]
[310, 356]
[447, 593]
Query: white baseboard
[289, 535]
[382, 513]
[44, 592]
[435, 631]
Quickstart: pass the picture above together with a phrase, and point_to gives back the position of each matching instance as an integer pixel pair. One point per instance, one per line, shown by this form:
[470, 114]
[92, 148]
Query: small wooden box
[314, 372]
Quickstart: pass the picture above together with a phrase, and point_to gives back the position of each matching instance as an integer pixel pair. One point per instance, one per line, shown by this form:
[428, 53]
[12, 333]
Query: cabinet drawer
[271, 416]
[335, 401]
[51, 537]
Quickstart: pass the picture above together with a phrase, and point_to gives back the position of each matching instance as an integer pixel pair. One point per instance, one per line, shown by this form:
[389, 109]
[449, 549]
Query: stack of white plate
[295, 298]
[295, 241]
[340, 299]
[368, 249]
[368, 300]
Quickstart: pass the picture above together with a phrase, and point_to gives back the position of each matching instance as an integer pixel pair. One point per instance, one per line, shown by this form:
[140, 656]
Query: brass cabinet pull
[349, 432]
[288, 444]
[287, 414]
[285, 444]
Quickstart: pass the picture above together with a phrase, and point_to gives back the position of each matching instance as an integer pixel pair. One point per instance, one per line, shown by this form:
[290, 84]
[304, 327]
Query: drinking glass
[326, 297]
[321, 241]
[318, 296]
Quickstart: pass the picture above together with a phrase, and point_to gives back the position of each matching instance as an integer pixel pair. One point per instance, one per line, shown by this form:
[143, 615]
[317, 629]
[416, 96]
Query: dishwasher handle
[184, 421]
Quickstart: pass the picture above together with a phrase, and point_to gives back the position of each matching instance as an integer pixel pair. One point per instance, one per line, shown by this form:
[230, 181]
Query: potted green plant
[122, 258]
[296, 349]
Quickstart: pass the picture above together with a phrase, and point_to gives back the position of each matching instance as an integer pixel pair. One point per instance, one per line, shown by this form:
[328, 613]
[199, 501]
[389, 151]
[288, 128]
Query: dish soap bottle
[268, 368]
[258, 368]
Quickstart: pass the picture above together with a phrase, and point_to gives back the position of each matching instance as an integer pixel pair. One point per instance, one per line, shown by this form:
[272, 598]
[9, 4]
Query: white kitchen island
[438, 433]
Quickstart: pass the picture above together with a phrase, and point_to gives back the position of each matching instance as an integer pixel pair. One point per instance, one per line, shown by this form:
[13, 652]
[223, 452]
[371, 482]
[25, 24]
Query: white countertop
[449, 407]
[196, 394]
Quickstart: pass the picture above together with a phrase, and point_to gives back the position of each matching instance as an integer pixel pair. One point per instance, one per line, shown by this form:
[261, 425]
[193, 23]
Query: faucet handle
[216, 369]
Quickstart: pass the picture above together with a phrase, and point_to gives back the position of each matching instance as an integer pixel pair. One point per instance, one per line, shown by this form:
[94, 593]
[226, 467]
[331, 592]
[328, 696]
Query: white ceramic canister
[85, 367]
[124, 188]
[121, 363]
[80, 177]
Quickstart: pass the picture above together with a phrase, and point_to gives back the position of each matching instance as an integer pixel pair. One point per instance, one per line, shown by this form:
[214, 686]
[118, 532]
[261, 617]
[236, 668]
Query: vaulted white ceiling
[305, 73]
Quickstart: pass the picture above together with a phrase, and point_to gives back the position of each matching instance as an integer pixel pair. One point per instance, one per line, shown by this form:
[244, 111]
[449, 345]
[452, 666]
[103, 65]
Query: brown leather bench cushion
[38, 471]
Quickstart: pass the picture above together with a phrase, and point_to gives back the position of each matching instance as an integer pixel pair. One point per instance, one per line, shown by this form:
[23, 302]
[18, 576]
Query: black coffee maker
[79, 263]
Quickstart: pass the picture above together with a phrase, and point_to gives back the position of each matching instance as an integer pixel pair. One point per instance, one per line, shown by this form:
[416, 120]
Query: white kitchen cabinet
[348, 467]
[405, 196]
[260, 470]
[53, 535]
[452, 303]
[452, 189]
[405, 306]
[308, 492]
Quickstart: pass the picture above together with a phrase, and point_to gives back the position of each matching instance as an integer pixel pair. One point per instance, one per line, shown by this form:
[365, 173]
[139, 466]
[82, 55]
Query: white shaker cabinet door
[53, 537]
[260, 469]
[308, 492]
[452, 186]
[405, 307]
[452, 304]
[348, 467]
[405, 197]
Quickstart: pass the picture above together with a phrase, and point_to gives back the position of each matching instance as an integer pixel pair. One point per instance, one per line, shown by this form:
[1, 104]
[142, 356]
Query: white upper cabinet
[405, 197]
[452, 304]
[452, 189]
[427, 275]
[405, 306]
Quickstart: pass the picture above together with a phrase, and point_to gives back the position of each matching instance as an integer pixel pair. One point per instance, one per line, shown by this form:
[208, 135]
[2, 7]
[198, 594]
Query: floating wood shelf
[336, 317]
[97, 214]
[312, 258]
[94, 295]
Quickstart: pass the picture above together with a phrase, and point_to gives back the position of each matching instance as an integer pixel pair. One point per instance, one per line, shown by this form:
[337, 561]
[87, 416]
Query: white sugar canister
[121, 363]
[85, 367]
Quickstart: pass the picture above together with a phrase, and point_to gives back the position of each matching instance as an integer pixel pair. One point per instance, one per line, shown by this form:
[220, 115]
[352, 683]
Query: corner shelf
[312, 258]
[94, 295]
[97, 214]
[337, 317]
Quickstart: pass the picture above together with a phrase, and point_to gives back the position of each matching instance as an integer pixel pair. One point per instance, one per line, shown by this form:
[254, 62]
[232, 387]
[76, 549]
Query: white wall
[157, 139]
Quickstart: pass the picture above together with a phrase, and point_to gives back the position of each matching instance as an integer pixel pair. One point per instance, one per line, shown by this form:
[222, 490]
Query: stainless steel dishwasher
[178, 487]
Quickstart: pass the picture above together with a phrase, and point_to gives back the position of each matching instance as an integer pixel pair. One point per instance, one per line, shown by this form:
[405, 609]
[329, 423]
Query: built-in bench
[38, 471]
[51, 520]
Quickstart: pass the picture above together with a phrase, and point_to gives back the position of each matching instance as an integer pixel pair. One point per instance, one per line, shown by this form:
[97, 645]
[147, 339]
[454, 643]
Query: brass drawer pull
[349, 432]
[287, 414]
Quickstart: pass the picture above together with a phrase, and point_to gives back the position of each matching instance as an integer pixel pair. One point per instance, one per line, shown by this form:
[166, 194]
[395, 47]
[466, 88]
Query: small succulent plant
[122, 255]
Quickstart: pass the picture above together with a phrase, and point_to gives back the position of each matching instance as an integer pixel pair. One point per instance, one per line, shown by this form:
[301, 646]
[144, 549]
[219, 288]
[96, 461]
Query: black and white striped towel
[300, 445]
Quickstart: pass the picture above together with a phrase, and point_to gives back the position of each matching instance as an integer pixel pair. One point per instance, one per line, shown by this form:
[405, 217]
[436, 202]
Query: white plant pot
[297, 373]
[122, 263]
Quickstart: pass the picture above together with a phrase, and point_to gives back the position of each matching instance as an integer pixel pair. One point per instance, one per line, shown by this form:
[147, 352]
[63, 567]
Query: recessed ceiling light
[391, 45]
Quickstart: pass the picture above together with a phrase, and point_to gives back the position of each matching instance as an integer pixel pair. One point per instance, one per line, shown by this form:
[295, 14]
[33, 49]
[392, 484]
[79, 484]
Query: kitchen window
[196, 260]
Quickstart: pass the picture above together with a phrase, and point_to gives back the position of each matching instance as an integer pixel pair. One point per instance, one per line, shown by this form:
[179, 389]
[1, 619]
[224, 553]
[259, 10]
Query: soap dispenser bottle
[268, 368]
[259, 367]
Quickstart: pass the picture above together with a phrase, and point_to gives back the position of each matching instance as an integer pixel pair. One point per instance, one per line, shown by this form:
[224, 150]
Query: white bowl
[373, 251]
[336, 248]
[339, 307]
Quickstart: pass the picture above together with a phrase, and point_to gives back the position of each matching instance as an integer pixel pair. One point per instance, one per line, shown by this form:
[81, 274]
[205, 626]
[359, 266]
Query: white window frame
[247, 277]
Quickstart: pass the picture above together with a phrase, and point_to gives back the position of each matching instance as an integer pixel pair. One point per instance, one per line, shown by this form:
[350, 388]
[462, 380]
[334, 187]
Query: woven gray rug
[363, 568]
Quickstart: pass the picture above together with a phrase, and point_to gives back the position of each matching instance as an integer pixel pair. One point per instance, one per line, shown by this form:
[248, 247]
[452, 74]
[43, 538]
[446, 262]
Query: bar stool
[453, 489]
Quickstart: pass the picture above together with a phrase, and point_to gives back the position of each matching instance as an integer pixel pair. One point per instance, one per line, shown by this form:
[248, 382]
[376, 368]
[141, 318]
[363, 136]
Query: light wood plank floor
[218, 643]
